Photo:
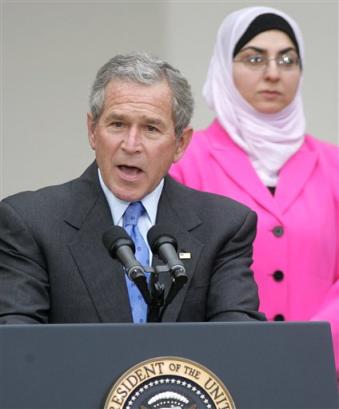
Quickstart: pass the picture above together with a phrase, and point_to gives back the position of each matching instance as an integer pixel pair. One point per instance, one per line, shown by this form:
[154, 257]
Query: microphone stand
[178, 281]
[141, 283]
[155, 296]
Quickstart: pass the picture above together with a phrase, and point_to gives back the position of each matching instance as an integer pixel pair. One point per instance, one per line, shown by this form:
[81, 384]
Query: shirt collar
[118, 207]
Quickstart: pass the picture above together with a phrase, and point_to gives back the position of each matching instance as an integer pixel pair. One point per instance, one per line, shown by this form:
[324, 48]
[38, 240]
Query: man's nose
[132, 140]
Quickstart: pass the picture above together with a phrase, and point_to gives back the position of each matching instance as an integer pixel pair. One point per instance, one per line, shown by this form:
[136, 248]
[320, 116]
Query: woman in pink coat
[256, 151]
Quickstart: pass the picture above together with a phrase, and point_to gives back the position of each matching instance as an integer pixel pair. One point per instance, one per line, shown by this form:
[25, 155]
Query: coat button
[278, 275]
[279, 317]
[278, 231]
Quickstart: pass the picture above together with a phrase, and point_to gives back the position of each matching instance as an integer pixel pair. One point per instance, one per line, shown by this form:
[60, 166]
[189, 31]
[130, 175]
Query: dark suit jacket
[54, 267]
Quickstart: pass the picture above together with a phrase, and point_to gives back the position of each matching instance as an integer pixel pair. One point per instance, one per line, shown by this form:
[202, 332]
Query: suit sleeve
[233, 294]
[24, 286]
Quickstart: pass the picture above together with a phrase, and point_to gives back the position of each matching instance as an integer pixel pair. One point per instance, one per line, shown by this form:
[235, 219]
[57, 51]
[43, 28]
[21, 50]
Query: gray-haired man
[54, 267]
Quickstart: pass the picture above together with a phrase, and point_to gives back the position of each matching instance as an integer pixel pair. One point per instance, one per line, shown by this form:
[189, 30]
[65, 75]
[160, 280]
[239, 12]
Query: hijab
[268, 139]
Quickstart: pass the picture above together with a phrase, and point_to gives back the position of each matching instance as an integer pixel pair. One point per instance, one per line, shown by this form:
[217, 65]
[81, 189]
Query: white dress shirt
[118, 207]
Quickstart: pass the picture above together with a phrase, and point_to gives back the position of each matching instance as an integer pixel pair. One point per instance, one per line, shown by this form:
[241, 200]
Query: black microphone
[163, 243]
[120, 246]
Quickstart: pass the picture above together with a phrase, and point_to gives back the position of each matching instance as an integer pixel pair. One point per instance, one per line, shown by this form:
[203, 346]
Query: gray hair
[145, 69]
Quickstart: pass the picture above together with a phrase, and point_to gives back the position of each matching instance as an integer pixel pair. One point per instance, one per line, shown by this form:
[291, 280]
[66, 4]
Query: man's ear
[182, 143]
[91, 130]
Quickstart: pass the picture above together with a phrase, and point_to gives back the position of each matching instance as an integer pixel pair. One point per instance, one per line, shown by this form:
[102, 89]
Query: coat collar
[103, 276]
[176, 209]
[234, 161]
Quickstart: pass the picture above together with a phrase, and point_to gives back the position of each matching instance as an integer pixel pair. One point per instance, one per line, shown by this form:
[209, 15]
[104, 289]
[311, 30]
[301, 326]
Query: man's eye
[117, 124]
[151, 128]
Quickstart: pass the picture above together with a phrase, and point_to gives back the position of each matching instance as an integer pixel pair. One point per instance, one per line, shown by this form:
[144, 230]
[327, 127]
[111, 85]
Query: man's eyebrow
[115, 116]
[153, 121]
[264, 51]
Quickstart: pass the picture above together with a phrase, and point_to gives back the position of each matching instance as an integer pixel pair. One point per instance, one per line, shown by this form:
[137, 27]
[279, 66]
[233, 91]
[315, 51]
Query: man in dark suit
[54, 267]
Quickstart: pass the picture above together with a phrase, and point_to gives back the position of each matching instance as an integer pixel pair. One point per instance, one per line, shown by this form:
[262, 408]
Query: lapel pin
[184, 255]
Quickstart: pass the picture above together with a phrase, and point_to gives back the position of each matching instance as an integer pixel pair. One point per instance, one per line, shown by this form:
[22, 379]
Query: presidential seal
[169, 383]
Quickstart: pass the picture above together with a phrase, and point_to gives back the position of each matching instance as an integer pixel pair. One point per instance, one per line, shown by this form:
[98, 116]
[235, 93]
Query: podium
[263, 365]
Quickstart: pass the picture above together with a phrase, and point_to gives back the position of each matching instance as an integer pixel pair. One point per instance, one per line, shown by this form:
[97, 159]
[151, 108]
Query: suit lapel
[294, 176]
[103, 276]
[177, 210]
[237, 166]
[235, 163]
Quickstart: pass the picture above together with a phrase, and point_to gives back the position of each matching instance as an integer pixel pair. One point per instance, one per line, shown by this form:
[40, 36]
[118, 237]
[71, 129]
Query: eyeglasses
[258, 62]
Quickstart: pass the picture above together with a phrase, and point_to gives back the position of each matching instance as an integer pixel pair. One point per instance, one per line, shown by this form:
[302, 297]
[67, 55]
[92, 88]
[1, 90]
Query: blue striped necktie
[131, 217]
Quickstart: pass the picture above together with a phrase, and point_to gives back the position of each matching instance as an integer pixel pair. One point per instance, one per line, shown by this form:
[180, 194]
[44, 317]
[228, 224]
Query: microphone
[120, 246]
[163, 243]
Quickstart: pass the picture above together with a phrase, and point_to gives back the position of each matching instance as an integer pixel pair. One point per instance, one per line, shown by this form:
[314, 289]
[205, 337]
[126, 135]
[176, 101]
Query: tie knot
[133, 212]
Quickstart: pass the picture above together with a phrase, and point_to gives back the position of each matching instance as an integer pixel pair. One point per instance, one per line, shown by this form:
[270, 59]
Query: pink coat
[296, 252]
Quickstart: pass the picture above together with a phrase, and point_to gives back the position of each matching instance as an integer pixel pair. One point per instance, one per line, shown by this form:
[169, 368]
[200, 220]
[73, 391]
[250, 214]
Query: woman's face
[268, 86]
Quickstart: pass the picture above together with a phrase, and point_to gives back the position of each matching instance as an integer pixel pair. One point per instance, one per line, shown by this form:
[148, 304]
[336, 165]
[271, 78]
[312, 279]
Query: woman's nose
[272, 70]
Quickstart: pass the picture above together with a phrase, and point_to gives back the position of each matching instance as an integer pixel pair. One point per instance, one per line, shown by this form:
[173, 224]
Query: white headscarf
[269, 139]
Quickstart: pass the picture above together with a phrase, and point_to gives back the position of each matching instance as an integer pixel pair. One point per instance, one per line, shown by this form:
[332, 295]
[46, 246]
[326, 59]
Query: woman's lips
[270, 94]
